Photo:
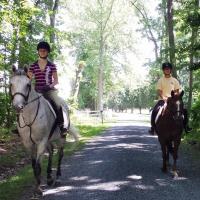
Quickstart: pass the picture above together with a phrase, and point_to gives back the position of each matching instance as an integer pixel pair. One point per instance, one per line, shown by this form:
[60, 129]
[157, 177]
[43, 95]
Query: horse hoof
[57, 182]
[50, 182]
[38, 192]
[175, 174]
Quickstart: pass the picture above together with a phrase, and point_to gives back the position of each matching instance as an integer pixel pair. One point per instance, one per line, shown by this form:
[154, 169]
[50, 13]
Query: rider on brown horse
[165, 85]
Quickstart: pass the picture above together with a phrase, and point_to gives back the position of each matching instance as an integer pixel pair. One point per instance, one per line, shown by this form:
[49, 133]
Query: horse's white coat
[41, 122]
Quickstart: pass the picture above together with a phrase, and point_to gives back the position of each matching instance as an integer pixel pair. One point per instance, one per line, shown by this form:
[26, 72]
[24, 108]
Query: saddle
[62, 119]
[160, 111]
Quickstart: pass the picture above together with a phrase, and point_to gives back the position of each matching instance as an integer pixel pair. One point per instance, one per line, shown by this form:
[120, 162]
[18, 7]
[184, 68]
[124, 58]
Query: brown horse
[169, 128]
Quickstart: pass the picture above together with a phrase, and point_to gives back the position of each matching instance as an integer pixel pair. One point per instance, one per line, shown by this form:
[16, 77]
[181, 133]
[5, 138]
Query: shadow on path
[123, 164]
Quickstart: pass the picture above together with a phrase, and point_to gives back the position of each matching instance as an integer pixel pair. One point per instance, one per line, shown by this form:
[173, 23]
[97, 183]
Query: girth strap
[53, 128]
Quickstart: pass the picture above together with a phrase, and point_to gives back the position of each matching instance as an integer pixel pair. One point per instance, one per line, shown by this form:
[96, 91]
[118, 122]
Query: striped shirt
[43, 78]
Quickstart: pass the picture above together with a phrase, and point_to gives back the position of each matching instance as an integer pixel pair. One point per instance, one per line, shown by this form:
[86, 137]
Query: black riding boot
[63, 130]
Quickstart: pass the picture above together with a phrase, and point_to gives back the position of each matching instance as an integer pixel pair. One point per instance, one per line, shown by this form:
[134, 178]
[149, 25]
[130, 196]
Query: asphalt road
[125, 164]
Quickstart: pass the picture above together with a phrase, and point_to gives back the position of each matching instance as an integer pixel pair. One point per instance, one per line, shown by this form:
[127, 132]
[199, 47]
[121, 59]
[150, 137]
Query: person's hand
[165, 99]
[46, 88]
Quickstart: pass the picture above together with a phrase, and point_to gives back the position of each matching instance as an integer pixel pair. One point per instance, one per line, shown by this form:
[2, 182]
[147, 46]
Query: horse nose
[19, 107]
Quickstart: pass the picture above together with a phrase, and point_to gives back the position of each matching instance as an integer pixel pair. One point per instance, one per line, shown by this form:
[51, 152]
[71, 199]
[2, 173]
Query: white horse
[37, 125]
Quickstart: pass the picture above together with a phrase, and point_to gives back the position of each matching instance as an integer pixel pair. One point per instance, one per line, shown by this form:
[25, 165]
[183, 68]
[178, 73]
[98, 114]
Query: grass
[14, 187]
[5, 136]
[194, 135]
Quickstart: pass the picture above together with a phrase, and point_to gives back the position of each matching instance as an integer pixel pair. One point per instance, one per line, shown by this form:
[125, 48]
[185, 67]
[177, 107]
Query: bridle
[38, 106]
[26, 97]
[177, 112]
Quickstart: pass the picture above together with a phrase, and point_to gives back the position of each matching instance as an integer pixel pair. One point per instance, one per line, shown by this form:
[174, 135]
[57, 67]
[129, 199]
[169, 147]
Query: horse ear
[172, 93]
[26, 68]
[182, 93]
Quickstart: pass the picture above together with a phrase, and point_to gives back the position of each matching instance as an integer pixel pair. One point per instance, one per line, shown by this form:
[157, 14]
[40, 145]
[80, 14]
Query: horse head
[20, 87]
[175, 105]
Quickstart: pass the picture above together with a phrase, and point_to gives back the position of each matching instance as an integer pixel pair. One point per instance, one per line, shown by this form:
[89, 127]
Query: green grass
[14, 187]
[89, 131]
[5, 135]
[194, 135]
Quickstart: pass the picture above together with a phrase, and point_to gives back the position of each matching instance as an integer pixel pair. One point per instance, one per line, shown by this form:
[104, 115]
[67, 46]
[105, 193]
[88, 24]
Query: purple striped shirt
[44, 77]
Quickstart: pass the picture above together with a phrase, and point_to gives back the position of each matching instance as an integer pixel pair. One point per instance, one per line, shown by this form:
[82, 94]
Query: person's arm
[177, 87]
[30, 74]
[55, 79]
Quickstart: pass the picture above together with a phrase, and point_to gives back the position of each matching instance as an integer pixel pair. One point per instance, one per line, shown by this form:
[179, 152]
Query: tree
[101, 34]
[170, 23]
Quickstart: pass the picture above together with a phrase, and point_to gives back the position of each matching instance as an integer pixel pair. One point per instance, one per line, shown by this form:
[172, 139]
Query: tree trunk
[53, 9]
[171, 36]
[193, 38]
[165, 32]
[102, 27]
[77, 82]
[100, 75]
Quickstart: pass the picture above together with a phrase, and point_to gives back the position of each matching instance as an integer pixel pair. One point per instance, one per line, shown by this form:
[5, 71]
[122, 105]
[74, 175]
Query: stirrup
[63, 131]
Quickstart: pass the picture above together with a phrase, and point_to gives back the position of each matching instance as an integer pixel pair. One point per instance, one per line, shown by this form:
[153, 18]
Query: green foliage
[7, 116]
[142, 97]
[195, 116]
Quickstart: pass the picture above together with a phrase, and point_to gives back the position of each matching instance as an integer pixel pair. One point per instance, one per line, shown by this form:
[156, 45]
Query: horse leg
[167, 157]
[49, 167]
[37, 166]
[169, 151]
[60, 156]
[37, 172]
[175, 157]
[164, 156]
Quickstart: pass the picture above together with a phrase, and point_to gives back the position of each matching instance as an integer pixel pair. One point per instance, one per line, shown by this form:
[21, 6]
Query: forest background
[108, 52]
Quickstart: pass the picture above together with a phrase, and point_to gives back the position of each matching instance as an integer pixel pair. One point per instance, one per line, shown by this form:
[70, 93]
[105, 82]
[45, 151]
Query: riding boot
[152, 129]
[63, 130]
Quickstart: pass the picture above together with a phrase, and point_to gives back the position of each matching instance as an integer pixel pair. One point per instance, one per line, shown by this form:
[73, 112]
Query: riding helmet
[166, 65]
[44, 45]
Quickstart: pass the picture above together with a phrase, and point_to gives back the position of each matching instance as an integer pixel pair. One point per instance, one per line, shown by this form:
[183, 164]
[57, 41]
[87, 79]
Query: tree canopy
[121, 43]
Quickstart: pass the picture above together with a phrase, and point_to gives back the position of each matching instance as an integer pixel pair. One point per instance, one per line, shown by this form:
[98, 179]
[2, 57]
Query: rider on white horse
[45, 74]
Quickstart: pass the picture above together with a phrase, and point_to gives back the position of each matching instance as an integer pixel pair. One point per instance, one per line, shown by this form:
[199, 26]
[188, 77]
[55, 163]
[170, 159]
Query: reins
[30, 125]
[167, 110]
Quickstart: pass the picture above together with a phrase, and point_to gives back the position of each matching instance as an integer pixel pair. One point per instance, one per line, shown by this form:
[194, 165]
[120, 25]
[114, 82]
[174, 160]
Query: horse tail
[74, 132]
[170, 148]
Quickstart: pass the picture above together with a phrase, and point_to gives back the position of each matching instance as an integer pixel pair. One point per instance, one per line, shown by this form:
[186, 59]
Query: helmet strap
[43, 57]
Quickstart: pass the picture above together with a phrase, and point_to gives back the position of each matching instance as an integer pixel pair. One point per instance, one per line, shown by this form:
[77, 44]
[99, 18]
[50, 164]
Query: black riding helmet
[166, 65]
[44, 45]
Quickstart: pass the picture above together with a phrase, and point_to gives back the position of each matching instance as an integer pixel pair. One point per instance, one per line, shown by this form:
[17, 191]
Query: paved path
[124, 164]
